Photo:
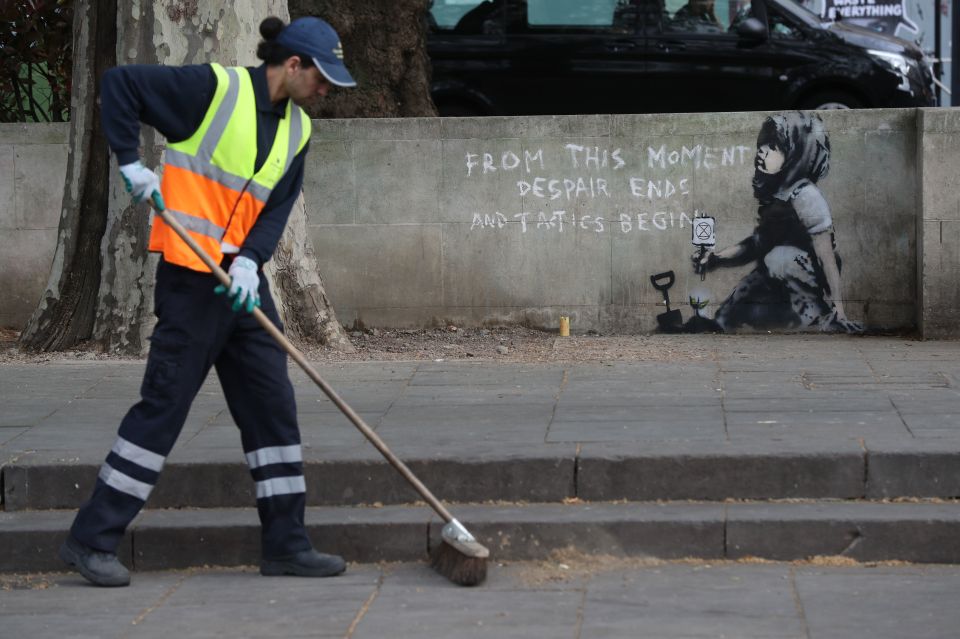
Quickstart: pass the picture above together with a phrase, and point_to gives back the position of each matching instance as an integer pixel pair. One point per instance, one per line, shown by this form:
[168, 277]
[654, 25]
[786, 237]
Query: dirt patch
[514, 344]
[507, 344]
[570, 564]
[38, 581]
[10, 351]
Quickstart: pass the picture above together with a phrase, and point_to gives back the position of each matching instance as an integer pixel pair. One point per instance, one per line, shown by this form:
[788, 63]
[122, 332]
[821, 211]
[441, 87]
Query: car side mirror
[752, 29]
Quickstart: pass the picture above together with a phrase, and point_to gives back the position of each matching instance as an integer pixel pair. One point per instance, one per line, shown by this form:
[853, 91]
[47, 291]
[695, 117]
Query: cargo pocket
[164, 368]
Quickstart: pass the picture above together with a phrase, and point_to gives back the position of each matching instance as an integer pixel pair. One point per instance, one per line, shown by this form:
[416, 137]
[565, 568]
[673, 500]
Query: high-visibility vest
[209, 183]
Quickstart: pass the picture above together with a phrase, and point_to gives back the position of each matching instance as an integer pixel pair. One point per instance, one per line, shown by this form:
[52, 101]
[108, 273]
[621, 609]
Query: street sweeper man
[233, 167]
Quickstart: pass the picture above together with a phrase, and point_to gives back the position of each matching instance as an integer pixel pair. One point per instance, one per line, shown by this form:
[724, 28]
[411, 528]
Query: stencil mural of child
[796, 282]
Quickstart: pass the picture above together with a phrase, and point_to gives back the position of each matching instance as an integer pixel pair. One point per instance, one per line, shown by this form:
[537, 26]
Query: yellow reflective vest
[209, 183]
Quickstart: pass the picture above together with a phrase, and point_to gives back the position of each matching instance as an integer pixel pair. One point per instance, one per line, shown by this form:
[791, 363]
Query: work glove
[142, 183]
[244, 284]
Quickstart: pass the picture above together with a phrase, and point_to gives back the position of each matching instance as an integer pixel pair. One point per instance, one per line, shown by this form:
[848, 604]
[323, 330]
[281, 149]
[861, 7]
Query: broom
[460, 558]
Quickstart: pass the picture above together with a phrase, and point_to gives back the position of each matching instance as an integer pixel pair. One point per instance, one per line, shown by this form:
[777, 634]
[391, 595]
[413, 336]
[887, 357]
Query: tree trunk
[66, 312]
[115, 278]
[384, 46]
[298, 288]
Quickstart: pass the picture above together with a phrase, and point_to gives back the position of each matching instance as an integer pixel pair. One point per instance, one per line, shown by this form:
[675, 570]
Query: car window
[696, 16]
[466, 16]
[780, 26]
[576, 16]
[781, 29]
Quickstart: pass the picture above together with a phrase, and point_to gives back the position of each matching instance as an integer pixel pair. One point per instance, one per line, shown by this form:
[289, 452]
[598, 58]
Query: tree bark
[101, 283]
[384, 46]
[298, 288]
[66, 311]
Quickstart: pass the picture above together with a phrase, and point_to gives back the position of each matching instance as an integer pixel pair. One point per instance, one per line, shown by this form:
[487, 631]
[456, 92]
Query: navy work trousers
[195, 330]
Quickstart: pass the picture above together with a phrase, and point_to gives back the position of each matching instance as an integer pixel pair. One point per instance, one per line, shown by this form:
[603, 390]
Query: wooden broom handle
[298, 357]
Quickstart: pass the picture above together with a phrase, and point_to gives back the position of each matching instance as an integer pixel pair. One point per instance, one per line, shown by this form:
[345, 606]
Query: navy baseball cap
[314, 37]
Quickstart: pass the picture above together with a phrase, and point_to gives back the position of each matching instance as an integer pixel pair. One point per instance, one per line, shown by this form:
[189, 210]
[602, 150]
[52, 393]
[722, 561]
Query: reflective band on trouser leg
[139, 456]
[274, 455]
[281, 486]
[124, 483]
[127, 459]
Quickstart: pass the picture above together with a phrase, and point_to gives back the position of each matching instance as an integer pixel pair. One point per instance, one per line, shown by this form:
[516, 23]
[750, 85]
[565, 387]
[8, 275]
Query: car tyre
[830, 100]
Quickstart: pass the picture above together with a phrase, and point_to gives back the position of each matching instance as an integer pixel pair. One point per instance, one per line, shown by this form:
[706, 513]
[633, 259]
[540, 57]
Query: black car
[519, 57]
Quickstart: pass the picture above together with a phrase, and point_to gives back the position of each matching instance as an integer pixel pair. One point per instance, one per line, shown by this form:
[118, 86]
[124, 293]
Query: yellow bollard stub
[564, 326]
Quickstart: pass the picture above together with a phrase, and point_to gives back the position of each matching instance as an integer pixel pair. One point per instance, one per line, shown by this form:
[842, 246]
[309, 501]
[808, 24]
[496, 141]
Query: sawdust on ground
[570, 564]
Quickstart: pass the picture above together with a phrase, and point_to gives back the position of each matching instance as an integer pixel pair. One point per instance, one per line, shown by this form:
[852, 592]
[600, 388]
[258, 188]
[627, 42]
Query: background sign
[883, 16]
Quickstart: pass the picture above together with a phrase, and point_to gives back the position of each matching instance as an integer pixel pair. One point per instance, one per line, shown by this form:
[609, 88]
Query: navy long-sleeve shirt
[174, 100]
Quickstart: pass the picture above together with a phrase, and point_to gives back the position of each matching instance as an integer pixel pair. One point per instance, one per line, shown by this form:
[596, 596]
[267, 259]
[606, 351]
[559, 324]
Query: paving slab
[879, 603]
[482, 612]
[24, 412]
[817, 426]
[487, 374]
[636, 424]
[279, 608]
[526, 599]
[526, 422]
[813, 401]
[465, 395]
[693, 601]
[362, 396]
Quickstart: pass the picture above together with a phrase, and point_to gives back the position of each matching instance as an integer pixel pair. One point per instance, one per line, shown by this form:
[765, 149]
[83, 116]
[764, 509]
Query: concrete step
[677, 471]
[919, 531]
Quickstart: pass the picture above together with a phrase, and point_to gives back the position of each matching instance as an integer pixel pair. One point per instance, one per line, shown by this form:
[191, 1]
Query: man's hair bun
[271, 27]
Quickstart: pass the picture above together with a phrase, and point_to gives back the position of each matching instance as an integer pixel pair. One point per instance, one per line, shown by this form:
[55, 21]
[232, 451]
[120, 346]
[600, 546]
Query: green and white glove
[142, 183]
[244, 284]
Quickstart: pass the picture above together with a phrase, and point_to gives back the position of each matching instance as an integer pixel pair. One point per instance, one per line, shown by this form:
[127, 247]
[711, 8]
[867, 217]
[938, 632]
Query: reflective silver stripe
[197, 224]
[228, 248]
[222, 117]
[274, 455]
[198, 165]
[296, 132]
[139, 456]
[259, 191]
[281, 486]
[125, 483]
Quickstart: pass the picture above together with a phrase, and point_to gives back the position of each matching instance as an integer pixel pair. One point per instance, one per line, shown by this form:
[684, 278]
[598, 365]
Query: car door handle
[671, 45]
[621, 45]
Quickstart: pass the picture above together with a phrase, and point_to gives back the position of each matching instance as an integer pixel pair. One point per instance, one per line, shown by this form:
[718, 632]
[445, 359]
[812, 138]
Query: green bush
[36, 43]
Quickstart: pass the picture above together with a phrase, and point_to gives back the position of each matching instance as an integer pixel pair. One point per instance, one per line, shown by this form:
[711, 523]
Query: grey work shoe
[98, 567]
[306, 563]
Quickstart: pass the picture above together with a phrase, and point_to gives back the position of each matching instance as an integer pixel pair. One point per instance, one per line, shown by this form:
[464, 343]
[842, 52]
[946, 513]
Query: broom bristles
[464, 566]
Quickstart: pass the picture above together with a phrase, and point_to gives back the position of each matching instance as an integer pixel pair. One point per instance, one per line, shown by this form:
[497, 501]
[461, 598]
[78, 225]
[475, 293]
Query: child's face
[769, 159]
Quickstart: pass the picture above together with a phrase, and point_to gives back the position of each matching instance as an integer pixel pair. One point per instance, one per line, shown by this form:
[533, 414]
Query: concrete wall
[411, 229]
[33, 163]
[938, 226]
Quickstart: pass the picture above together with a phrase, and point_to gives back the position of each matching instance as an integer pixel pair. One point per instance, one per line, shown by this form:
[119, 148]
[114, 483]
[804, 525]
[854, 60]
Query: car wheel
[830, 100]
